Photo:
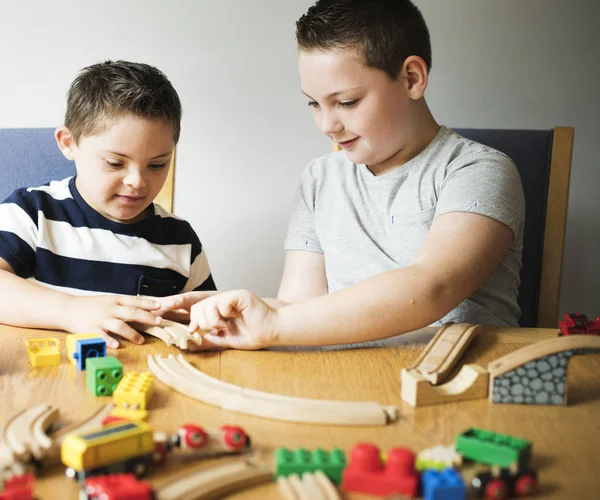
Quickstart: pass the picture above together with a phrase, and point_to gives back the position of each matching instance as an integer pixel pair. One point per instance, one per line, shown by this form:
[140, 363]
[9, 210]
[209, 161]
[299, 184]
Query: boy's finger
[188, 299]
[110, 342]
[122, 329]
[140, 303]
[209, 342]
[131, 314]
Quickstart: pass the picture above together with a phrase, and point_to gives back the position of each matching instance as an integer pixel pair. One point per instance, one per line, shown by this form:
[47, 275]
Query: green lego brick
[103, 375]
[489, 447]
[301, 460]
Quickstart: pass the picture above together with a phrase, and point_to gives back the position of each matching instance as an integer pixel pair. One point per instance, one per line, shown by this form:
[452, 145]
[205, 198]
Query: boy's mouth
[129, 199]
[348, 144]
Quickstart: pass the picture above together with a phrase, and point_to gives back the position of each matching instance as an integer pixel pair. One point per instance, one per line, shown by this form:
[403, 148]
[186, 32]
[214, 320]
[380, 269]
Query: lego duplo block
[366, 473]
[88, 348]
[301, 460]
[446, 484]
[134, 391]
[492, 448]
[103, 375]
[43, 352]
[72, 343]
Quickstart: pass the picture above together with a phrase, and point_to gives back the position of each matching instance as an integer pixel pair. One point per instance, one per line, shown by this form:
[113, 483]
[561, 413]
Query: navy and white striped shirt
[51, 236]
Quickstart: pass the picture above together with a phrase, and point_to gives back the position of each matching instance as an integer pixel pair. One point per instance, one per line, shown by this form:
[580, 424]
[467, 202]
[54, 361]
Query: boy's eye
[348, 104]
[113, 164]
[313, 104]
[157, 166]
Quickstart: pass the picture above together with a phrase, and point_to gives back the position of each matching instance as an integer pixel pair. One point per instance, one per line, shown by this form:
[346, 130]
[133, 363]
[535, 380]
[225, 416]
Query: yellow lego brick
[134, 390]
[129, 414]
[72, 341]
[43, 352]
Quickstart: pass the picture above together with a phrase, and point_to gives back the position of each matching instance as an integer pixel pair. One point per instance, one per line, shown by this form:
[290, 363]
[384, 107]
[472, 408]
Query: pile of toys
[433, 473]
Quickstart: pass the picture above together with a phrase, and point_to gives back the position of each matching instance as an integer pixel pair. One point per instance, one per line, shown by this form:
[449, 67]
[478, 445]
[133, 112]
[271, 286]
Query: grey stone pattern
[539, 382]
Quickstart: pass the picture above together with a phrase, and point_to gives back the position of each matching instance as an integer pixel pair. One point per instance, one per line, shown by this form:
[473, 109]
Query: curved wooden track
[541, 349]
[177, 373]
[444, 350]
[173, 333]
[214, 482]
[24, 436]
[312, 486]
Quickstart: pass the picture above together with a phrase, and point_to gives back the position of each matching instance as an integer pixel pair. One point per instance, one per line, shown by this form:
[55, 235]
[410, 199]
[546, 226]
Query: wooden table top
[565, 439]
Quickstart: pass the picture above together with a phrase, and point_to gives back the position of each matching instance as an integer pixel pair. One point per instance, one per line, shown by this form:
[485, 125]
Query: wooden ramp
[444, 350]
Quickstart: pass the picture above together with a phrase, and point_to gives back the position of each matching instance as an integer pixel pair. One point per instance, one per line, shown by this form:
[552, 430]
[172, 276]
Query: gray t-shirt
[366, 224]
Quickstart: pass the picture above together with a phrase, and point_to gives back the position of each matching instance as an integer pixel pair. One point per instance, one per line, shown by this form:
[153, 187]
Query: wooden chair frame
[166, 196]
[554, 226]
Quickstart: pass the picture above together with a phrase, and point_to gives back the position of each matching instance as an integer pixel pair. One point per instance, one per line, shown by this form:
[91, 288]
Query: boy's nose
[134, 178]
[330, 123]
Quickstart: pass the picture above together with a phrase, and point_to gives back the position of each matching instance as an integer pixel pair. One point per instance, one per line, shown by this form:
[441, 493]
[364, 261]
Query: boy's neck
[422, 131]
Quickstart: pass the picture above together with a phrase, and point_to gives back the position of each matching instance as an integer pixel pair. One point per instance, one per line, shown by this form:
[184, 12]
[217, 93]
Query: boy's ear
[65, 142]
[416, 76]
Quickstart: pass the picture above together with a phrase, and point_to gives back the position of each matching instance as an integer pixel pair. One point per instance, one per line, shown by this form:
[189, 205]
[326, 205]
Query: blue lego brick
[446, 484]
[88, 348]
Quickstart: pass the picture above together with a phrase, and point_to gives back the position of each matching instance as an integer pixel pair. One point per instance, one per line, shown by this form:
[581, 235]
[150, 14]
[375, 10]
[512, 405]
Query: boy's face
[357, 107]
[121, 170]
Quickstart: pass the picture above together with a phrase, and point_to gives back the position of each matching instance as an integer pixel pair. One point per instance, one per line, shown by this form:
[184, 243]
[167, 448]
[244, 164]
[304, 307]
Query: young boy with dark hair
[410, 225]
[76, 254]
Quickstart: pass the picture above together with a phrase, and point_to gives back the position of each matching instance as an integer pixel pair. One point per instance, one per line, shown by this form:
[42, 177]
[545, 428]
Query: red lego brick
[18, 488]
[117, 487]
[366, 473]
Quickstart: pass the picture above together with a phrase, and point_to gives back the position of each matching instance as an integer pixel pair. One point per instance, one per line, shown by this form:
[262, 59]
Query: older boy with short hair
[74, 254]
[410, 225]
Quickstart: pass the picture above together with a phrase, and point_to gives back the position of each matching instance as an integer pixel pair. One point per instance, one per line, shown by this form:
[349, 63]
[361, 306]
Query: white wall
[247, 132]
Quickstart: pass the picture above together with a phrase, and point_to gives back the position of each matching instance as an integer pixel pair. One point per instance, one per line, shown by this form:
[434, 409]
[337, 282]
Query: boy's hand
[176, 306]
[237, 319]
[110, 314]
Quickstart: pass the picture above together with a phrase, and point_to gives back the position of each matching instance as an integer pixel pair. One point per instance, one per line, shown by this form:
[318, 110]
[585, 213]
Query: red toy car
[578, 324]
[116, 487]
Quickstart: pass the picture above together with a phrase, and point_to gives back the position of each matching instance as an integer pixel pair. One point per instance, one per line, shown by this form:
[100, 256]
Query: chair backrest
[543, 158]
[30, 157]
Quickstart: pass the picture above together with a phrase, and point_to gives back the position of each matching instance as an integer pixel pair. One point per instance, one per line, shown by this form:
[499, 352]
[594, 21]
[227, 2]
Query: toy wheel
[525, 485]
[496, 489]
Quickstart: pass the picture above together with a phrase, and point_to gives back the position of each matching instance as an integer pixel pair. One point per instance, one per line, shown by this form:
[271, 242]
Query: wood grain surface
[565, 439]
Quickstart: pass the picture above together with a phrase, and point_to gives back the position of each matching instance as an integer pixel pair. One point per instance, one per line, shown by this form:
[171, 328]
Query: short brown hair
[387, 31]
[104, 91]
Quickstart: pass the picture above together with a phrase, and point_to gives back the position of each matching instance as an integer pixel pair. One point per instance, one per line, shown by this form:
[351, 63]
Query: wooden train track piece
[24, 436]
[215, 482]
[312, 486]
[173, 333]
[471, 382]
[537, 373]
[444, 350]
[177, 373]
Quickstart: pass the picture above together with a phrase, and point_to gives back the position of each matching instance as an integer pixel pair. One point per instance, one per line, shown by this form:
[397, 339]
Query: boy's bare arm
[29, 305]
[460, 252]
[303, 278]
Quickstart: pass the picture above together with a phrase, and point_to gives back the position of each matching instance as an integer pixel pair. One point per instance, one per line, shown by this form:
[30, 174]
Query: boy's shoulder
[452, 151]
[34, 198]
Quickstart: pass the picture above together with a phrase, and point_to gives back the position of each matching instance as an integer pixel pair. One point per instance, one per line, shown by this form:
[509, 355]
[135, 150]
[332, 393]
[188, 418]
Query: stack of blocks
[103, 375]
[297, 462]
[134, 391]
[82, 346]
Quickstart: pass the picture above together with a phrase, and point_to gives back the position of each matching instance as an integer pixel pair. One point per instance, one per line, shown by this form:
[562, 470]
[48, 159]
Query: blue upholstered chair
[543, 158]
[30, 157]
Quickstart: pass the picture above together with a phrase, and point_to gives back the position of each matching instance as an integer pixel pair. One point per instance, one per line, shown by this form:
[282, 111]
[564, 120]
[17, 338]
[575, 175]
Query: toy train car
[505, 484]
[115, 448]
[578, 324]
